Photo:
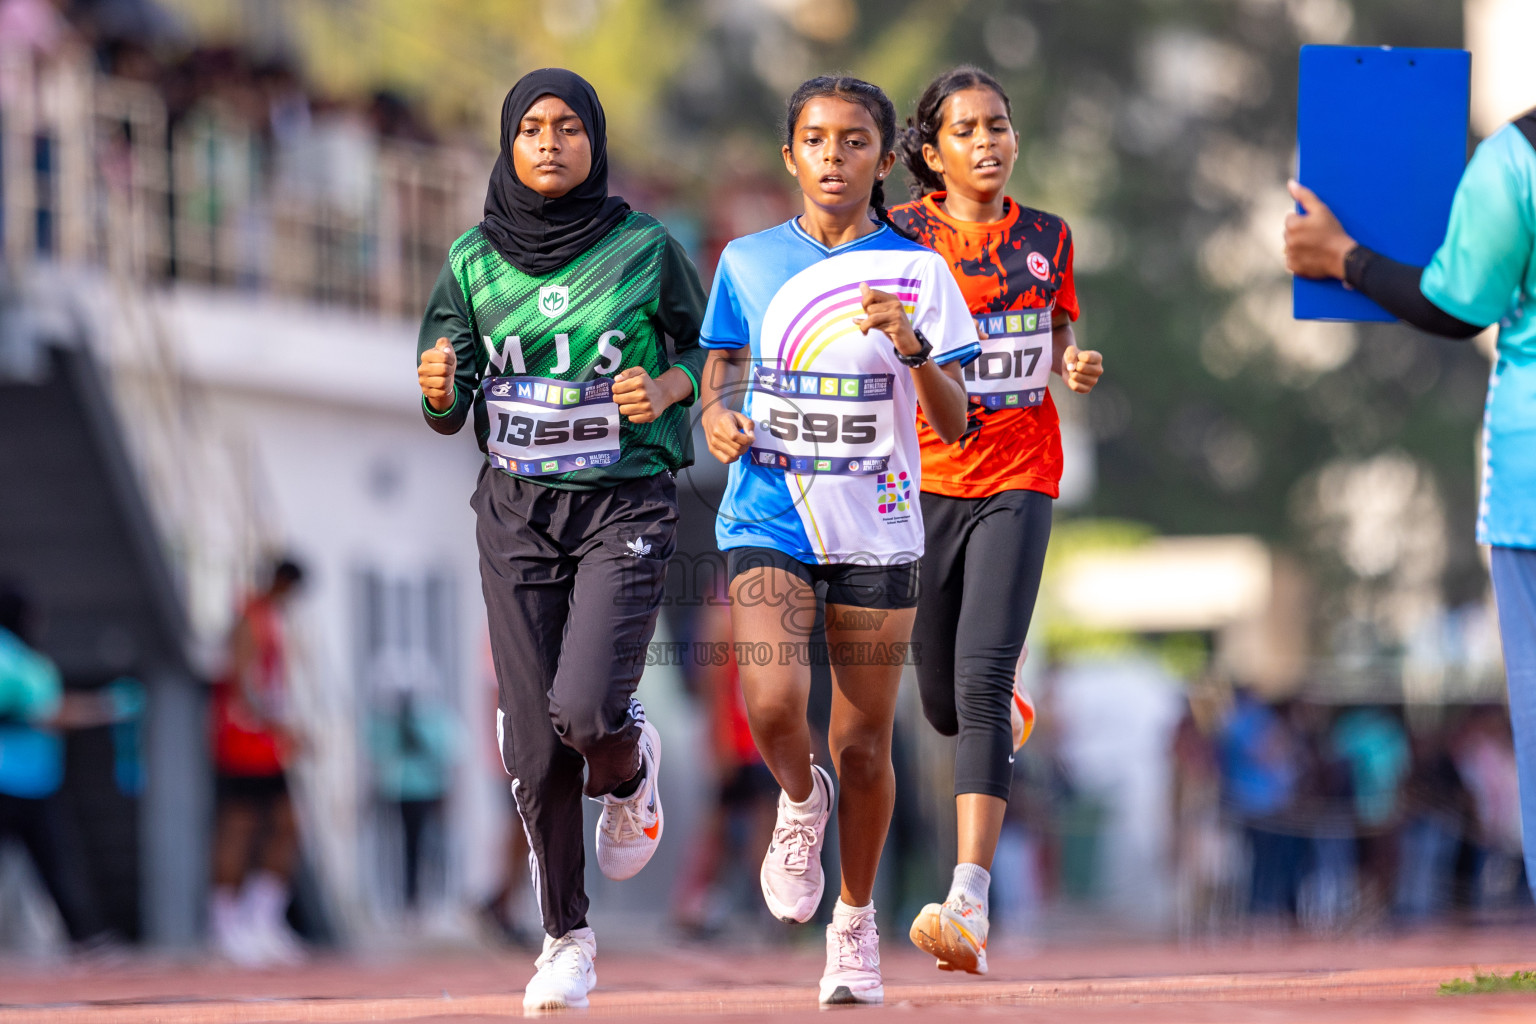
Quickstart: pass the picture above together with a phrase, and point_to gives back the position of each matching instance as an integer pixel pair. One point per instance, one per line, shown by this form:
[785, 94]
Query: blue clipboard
[1381, 137]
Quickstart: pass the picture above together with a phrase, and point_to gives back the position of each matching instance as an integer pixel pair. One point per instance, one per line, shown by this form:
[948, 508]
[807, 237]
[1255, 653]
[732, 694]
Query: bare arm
[941, 393]
[728, 431]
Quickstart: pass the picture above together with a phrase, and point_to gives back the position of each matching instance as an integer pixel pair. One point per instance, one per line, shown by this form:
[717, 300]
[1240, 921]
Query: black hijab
[536, 234]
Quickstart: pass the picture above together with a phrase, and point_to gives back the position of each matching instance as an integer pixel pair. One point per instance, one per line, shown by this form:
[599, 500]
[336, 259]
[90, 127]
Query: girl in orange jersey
[986, 498]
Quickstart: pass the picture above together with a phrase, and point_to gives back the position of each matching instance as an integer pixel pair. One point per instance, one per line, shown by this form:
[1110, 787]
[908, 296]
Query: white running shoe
[792, 878]
[853, 960]
[629, 829]
[565, 972]
[265, 898]
[954, 933]
[229, 927]
[1021, 710]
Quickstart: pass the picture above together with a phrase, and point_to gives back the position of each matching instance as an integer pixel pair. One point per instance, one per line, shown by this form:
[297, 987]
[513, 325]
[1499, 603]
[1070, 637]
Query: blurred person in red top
[741, 814]
[986, 498]
[255, 843]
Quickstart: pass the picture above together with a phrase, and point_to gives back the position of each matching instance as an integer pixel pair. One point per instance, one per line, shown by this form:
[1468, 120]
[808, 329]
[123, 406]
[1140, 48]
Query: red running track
[1393, 980]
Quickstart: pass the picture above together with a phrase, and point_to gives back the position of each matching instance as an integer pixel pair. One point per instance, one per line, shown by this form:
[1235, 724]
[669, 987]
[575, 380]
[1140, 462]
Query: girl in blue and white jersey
[834, 329]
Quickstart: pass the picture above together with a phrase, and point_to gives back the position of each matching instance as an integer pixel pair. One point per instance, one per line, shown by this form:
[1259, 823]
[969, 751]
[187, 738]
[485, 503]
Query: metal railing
[93, 171]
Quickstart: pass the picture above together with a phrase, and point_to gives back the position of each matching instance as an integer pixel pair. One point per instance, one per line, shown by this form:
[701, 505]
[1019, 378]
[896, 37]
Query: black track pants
[980, 576]
[572, 582]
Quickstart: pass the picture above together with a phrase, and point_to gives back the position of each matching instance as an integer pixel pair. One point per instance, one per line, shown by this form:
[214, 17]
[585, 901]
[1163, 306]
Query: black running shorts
[859, 586]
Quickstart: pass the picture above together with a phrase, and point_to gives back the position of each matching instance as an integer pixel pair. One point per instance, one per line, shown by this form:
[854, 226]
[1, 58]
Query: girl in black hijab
[535, 233]
[548, 324]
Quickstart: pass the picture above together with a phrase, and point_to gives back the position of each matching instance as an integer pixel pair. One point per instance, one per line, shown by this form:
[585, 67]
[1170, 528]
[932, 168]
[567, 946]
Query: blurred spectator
[1485, 758]
[1374, 744]
[392, 116]
[33, 24]
[253, 740]
[1324, 812]
[412, 745]
[496, 912]
[1200, 855]
[740, 815]
[1437, 813]
[1259, 762]
[33, 707]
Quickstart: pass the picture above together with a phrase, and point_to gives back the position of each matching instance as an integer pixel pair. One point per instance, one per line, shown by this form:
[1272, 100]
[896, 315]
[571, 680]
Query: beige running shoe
[954, 933]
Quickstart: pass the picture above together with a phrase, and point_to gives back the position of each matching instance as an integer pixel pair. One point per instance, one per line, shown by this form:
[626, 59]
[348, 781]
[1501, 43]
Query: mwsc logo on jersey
[553, 298]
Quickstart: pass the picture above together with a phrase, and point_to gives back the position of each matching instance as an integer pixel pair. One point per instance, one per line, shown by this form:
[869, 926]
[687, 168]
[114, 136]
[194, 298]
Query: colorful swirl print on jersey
[833, 315]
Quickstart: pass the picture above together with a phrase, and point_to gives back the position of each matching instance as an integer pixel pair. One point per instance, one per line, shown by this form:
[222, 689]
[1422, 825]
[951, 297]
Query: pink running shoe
[853, 959]
[792, 878]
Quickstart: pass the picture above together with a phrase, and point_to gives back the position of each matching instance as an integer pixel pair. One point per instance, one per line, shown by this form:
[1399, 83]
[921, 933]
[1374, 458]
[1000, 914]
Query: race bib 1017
[541, 426]
[1014, 367]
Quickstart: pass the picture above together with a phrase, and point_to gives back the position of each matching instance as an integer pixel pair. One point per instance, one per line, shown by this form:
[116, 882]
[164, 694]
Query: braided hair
[855, 90]
[924, 128]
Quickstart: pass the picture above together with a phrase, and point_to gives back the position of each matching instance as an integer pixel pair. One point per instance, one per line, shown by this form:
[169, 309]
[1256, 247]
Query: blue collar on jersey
[800, 232]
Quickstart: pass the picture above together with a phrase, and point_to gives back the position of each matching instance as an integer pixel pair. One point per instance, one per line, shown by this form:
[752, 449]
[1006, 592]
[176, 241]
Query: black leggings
[41, 826]
[980, 576]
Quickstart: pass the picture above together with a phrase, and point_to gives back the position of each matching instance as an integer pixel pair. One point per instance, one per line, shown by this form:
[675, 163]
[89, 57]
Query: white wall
[352, 480]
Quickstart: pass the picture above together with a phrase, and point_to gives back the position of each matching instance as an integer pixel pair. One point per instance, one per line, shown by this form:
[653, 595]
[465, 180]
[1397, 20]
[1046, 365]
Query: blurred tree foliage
[1162, 129]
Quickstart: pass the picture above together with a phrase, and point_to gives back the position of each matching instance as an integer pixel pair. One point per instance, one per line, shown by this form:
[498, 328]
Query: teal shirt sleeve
[448, 316]
[30, 687]
[1478, 270]
[680, 312]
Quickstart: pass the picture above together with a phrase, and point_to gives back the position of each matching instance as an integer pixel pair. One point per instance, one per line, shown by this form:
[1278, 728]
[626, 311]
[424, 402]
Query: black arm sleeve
[680, 312]
[448, 316]
[1394, 287]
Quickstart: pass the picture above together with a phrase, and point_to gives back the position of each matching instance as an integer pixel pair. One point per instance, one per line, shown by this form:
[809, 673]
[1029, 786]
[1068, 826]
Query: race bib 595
[822, 423]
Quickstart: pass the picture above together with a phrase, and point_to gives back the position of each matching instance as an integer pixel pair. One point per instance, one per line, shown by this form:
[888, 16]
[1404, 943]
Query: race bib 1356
[541, 426]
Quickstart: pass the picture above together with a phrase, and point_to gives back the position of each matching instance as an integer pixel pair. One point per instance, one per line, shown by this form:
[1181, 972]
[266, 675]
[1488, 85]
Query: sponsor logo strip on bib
[1014, 366]
[822, 422]
[541, 426]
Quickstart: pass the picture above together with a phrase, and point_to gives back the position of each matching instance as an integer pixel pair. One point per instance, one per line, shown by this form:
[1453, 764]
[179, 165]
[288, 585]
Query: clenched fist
[639, 396]
[884, 312]
[1081, 368]
[728, 433]
[435, 375]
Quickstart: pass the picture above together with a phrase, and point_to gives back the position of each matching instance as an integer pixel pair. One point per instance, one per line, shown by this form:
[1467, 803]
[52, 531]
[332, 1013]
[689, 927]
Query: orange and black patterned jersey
[1022, 262]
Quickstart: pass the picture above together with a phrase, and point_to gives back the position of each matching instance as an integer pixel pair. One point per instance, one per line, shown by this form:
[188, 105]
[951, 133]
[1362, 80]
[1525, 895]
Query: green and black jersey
[609, 309]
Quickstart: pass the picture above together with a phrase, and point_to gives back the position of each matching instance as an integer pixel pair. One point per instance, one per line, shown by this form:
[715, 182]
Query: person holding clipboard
[1483, 273]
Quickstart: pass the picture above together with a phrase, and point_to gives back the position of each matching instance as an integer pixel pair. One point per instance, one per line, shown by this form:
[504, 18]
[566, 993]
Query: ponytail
[923, 129]
[877, 203]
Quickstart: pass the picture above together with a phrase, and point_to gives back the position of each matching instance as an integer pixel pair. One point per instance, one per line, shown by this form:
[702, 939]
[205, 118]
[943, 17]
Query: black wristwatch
[921, 355]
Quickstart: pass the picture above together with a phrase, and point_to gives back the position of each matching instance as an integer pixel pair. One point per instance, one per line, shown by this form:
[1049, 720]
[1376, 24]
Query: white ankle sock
[808, 808]
[842, 913]
[972, 881]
